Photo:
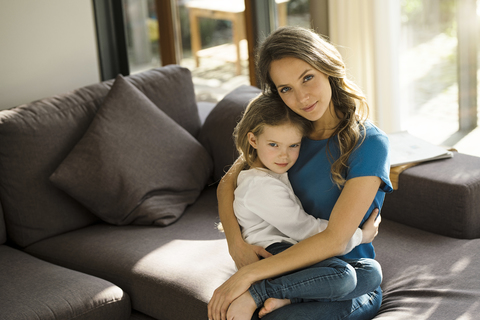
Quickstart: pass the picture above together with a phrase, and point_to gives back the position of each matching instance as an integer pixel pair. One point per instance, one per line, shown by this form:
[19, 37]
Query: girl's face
[277, 147]
[304, 89]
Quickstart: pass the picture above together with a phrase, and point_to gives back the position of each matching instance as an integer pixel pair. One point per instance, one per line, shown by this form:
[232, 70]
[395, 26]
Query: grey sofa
[109, 211]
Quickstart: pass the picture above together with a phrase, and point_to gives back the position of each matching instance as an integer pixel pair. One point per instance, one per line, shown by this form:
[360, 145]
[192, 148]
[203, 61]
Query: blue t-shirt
[313, 184]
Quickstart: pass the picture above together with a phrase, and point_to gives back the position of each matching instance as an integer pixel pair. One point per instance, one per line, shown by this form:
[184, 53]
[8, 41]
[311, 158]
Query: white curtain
[366, 32]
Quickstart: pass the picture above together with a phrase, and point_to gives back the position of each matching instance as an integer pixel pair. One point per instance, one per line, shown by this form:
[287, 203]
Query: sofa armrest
[441, 196]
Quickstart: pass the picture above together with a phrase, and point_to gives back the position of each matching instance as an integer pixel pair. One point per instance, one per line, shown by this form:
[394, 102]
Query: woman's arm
[271, 200]
[350, 208]
[241, 252]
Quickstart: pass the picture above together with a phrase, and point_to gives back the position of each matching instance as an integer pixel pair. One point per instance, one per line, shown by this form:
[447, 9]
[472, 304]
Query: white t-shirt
[268, 211]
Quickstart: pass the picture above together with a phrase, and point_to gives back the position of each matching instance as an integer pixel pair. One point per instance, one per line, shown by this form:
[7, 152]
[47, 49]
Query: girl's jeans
[331, 289]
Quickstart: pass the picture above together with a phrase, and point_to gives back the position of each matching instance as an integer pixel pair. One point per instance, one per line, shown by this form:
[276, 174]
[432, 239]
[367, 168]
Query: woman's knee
[375, 270]
[347, 284]
[370, 269]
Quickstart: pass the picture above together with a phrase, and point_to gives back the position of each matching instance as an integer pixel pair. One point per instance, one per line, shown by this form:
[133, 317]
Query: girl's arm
[355, 199]
[241, 252]
[274, 202]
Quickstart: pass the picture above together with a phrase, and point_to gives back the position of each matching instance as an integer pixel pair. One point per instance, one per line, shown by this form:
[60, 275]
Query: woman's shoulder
[375, 142]
[373, 130]
[374, 135]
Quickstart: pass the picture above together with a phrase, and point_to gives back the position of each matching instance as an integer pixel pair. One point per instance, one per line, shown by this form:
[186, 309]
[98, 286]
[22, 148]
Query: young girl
[268, 139]
[341, 175]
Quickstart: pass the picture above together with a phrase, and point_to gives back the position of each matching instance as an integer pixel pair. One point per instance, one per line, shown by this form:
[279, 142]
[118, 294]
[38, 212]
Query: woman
[341, 175]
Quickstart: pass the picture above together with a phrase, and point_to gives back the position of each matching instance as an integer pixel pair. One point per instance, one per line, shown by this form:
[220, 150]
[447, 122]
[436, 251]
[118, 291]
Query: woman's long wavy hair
[349, 102]
[264, 111]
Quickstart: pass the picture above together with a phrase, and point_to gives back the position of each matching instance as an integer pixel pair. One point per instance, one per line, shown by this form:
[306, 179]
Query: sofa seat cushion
[169, 273]
[427, 276]
[34, 289]
[134, 164]
[172, 273]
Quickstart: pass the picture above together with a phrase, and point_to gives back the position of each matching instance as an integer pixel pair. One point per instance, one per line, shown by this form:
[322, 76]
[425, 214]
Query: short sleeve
[372, 158]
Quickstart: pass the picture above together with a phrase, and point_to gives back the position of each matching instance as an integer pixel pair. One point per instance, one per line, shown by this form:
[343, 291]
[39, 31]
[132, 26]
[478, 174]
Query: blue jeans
[331, 289]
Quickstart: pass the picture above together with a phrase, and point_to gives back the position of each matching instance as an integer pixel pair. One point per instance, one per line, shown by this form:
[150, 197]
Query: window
[213, 45]
[142, 34]
[438, 68]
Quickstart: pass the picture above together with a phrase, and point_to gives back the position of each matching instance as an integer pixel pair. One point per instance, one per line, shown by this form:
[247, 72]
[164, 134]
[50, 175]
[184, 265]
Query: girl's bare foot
[272, 304]
[242, 308]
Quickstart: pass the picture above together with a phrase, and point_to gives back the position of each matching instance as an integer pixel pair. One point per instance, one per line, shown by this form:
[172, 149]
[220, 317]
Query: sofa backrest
[3, 232]
[216, 134]
[36, 137]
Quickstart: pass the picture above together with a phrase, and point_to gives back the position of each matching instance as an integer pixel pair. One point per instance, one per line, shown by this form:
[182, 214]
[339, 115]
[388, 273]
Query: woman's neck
[321, 133]
[325, 127]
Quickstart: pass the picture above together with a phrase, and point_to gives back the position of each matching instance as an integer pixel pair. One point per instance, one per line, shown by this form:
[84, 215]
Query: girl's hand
[245, 254]
[225, 294]
[370, 227]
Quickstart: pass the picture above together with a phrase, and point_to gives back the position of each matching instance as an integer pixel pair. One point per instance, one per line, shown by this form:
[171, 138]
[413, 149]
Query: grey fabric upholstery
[169, 273]
[35, 289]
[171, 89]
[130, 166]
[3, 232]
[216, 133]
[139, 316]
[178, 268]
[441, 196]
[427, 276]
[33, 208]
[48, 129]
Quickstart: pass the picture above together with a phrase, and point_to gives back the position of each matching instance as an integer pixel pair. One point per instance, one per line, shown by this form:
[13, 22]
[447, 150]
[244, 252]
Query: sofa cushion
[427, 276]
[34, 289]
[171, 89]
[48, 129]
[168, 275]
[217, 131]
[134, 164]
[440, 196]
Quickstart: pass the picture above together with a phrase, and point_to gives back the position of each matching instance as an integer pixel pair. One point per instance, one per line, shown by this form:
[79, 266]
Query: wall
[47, 47]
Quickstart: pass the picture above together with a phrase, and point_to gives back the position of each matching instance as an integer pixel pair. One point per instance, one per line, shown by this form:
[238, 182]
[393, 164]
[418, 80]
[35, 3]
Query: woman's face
[303, 88]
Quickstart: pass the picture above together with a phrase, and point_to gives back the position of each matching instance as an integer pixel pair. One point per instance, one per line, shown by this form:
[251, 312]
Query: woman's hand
[244, 254]
[226, 293]
[370, 227]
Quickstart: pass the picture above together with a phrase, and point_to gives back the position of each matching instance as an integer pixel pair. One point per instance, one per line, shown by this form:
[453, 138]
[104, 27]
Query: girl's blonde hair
[264, 111]
[349, 102]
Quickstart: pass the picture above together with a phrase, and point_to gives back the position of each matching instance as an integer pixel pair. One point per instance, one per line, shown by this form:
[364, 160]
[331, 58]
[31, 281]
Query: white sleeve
[269, 198]
[354, 241]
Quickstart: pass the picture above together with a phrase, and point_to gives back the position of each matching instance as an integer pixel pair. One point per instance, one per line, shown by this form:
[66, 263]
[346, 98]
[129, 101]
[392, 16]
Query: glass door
[213, 42]
[142, 34]
[438, 68]
[207, 36]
